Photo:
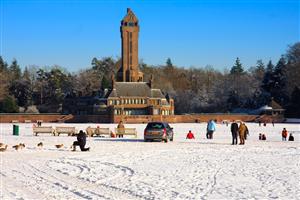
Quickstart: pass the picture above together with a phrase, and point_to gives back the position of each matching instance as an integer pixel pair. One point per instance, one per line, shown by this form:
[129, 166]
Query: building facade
[130, 95]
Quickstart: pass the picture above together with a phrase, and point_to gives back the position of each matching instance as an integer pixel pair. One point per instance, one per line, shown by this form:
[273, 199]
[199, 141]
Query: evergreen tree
[3, 65]
[237, 68]
[169, 63]
[268, 81]
[26, 74]
[15, 70]
[260, 67]
[279, 91]
[293, 109]
[8, 105]
[105, 84]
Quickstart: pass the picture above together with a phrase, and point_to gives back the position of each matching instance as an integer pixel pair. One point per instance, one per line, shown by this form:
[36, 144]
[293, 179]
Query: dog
[3, 148]
[59, 146]
[40, 145]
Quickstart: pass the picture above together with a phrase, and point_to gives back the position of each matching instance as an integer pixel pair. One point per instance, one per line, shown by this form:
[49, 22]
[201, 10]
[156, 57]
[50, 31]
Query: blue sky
[191, 33]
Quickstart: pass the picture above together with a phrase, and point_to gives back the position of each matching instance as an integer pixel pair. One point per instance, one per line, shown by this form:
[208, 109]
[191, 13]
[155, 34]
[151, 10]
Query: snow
[129, 168]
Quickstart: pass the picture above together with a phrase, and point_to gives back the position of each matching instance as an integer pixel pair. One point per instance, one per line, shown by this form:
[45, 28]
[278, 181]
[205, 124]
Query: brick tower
[129, 70]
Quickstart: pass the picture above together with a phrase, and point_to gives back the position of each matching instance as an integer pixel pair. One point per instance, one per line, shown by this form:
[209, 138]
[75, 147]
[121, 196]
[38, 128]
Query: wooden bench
[65, 130]
[125, 131]
[14, 121]
[27, 121]
[43, 129]
[97, 131]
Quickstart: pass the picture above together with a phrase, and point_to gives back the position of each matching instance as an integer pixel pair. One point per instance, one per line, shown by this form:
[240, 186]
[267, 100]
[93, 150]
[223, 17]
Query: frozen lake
[129, 168]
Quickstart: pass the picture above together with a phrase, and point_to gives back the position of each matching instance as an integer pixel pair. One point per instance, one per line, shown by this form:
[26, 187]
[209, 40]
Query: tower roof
[130, 17]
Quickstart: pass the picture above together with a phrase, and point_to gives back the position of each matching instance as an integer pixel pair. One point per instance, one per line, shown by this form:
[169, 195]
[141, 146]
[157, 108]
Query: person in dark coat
[81, 141]
[234, 132]
[263, 137]
[291, 137]
[246, 133]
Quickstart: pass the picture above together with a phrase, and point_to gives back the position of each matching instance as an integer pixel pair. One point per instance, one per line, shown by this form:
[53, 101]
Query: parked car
[158, 131]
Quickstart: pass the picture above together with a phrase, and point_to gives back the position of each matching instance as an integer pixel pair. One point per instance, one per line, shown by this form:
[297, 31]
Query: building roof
[275, 105]
[135, 89]
[130, 16]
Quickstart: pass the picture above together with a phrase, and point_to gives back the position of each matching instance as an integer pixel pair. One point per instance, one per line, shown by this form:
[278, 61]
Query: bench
[43, 129]
[14, 121]
[125, 131]
[65, 130]
[97, 131]
[27, 121]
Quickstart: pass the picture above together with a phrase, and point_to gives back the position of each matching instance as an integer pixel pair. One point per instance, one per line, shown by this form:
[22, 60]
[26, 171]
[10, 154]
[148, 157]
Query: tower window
[130, 60]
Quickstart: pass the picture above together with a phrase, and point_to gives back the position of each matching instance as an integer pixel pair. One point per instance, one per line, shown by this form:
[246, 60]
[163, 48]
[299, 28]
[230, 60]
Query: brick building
[130, 95]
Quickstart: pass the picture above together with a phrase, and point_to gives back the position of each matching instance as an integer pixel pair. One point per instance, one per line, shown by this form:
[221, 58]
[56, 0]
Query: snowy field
[129, 168]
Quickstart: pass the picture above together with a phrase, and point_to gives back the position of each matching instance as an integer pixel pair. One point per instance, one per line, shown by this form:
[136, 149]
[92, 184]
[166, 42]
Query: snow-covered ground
[129, 168]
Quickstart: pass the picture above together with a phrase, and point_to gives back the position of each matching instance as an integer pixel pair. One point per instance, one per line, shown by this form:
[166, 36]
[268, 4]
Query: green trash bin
[16, 130]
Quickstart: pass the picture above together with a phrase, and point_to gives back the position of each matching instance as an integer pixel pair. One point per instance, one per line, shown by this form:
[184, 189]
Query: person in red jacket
[284, 134]
[190, 135]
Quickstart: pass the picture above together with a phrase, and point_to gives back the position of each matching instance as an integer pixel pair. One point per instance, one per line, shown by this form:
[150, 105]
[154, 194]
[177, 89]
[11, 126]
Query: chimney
[151, 81]
[113, 81]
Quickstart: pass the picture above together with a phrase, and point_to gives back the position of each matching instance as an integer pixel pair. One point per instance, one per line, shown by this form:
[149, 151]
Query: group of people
[237, 131]
[284, 135]
[241, 131]
[262, 136]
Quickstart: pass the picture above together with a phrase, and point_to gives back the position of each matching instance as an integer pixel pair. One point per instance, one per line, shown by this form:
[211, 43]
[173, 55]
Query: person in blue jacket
[211, 128]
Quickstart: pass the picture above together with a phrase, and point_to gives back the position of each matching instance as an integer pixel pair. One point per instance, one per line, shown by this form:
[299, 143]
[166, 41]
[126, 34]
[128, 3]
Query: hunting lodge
[129, 94]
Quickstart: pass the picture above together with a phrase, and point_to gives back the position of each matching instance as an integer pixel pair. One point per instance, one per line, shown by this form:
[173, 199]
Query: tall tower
[129, 70]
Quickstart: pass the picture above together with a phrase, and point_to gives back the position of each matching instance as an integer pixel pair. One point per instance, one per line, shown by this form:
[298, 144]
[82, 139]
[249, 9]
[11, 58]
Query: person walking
[81, 141]
[234, 132]
[211, 128]
[190, 135]
[242, 131]
[284, 134]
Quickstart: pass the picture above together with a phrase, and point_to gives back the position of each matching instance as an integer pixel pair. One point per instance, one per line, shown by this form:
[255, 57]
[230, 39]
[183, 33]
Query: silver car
[158, 131]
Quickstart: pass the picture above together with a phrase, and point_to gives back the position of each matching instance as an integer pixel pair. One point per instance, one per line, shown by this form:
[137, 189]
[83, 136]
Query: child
[190, 135]
[260, 136]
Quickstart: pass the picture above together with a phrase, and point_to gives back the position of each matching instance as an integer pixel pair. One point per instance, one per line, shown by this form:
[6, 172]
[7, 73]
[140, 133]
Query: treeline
[195, 90]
